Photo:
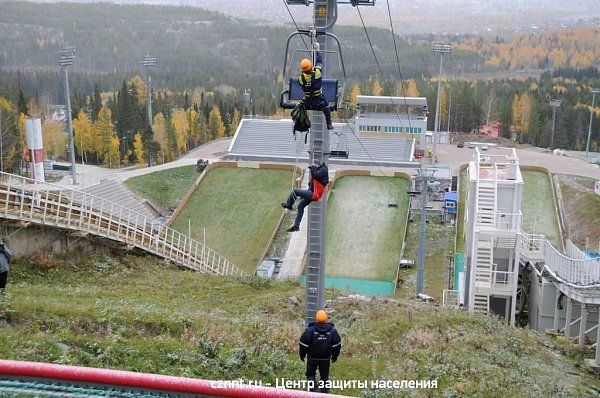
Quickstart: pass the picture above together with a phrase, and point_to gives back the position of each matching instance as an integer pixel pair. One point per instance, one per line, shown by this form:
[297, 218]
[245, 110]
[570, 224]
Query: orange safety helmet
[321, 316]
[306, 65]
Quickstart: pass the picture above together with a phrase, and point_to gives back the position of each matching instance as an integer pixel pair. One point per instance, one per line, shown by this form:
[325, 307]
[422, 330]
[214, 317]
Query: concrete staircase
[481, 304]
[113, 190]
[486, 203]
[483, 264]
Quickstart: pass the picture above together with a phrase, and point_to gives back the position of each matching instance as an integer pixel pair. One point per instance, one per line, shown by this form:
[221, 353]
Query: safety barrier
[25, 200]
[115, 383]
[578, 271]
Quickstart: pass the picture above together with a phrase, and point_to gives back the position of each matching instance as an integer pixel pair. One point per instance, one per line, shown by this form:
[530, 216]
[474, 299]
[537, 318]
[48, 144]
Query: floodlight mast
[148, 62]
[440, 49]
[554, 104]
[67, 58]
[324, 18]
[594, 91]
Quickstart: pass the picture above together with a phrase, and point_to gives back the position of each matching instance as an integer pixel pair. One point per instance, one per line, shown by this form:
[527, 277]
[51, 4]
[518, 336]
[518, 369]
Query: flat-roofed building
[405, 117]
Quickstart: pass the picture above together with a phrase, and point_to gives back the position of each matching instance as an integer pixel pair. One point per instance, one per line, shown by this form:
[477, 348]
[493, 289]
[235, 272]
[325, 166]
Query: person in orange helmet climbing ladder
[321, 343]
[311, 80]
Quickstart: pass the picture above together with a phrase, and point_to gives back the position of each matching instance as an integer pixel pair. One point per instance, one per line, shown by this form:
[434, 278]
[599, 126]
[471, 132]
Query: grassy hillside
[539, 215]
[366, 235]
[132, 313]
[239, 208]
[582, 210]
[166, 187]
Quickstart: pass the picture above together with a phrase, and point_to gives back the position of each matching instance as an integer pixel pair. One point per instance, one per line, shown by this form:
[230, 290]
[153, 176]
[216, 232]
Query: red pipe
[141, 380]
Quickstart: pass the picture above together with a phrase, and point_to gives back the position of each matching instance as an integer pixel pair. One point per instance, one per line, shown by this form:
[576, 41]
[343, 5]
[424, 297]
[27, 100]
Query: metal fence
[25, 200]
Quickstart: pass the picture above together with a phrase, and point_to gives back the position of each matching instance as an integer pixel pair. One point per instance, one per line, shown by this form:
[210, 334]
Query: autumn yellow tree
[138, 149]
[112, 151]
[521, 113]
[235, 121]
[179, 119]
[377, 89]
[83, 130]
[159, 127]
[140, 88]
[105, 132]
[443, 108]
[216, 127]
[412, 90]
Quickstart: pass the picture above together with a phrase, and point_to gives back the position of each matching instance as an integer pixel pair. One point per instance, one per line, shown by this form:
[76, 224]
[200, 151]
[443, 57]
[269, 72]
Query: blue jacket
[5, 255]
[320, 341]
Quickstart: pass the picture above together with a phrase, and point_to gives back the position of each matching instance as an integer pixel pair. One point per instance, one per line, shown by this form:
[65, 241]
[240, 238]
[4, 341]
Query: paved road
[88, 174]
[449, 155]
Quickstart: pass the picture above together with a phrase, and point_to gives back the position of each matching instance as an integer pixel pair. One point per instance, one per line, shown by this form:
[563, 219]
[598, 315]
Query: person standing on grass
[5, 255]
[322, 344]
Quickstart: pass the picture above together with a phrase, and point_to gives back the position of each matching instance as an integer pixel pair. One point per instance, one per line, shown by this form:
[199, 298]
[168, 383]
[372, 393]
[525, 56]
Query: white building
[493, 234]
[402, 116]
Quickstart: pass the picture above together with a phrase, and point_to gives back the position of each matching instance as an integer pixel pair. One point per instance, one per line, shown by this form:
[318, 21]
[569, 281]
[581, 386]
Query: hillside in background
[419, 16]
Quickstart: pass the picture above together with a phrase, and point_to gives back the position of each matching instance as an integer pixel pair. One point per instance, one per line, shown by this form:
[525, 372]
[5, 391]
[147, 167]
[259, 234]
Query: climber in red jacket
[317, 183]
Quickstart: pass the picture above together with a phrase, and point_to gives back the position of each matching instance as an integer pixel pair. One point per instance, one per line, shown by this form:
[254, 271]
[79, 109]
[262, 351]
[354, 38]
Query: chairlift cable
[294, 21]
[398, 63]
[379, 66]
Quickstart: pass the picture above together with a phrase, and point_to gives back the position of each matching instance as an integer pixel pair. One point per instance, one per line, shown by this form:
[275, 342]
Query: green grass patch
[166, 187]
[582, 210]
[539, 215]
[131, 313]
[365, 234]
[239, 208]
[438, 249]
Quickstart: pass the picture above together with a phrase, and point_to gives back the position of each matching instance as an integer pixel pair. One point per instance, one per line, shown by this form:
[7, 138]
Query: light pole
[554, 104]
[587, 147]
[67, 58]
[148, 62]
[440, 49]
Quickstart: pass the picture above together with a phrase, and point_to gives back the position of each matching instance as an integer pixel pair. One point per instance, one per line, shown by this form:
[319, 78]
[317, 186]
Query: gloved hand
[302, 359]
[333, 359]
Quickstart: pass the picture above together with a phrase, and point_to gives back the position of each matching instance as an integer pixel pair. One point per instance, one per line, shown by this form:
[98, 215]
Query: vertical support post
[149, 99]
[324, 15]
[555, 325]
[422, 233]
[515, 278]
[69, 125]
[597, 360]
[568, 318]
[587, 146]
[507, 309]
[436, 127]
[582, 326]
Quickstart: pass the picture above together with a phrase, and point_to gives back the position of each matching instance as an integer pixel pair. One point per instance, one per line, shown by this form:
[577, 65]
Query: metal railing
[450, 298]
[501, 221]
[25, 200]
[576, 271]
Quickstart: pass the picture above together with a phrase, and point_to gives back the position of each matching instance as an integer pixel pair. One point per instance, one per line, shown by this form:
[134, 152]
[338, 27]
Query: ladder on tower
[486, 202]
[317, 214]
[483, 264]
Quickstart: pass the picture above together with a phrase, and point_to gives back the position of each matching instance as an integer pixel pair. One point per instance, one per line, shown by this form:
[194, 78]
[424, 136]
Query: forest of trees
[207, 60]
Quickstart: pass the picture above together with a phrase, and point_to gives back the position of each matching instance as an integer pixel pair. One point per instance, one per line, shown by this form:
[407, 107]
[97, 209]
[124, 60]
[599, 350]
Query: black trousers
[3, 279]
[311, 369]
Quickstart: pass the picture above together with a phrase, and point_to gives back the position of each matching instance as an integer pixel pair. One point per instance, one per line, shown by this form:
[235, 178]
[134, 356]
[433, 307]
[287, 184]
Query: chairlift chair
[341, 150]
[333, 88]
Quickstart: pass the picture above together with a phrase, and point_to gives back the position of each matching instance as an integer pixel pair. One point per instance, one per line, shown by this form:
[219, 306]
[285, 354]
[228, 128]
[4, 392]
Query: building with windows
[402, 116]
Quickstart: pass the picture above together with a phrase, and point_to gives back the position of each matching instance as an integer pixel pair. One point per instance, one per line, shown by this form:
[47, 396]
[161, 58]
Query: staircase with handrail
[24, 200]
